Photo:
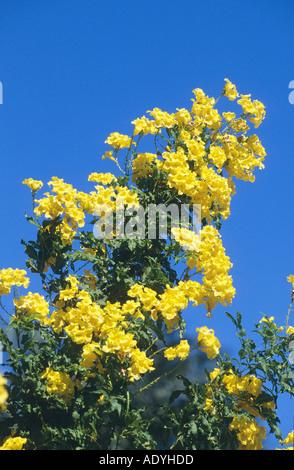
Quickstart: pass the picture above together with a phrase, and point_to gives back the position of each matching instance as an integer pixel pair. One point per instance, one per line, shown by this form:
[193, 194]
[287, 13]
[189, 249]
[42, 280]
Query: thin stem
[289, 310]
[158, 378]
[176, 441]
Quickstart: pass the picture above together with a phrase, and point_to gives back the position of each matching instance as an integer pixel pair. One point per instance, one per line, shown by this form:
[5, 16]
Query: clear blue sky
[75, 70]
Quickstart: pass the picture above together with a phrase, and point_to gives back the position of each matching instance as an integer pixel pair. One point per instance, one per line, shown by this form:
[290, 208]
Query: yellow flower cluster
[145, 126]
[168, 304]
[102, 178]
[188, 239]
[230, 90]
[73, 205]
[59, 383]
[14, 443]
[97, 329]
[207, 342]
[254, 108]
[244, 388]
[196, 169]
[243, 156]
[175, 299]
[34, 185]
[289, 439]
[270, 321]
[210, 259]
[247, 383]
[162, 118]
[203, 112]
[290, 279]
[62, 203]
[249, 433]
[33, 304]
[181, 350]
[3, 393]
[290, 330]
[85, 322]
[118, 141]
[12, 277]
[141, 165]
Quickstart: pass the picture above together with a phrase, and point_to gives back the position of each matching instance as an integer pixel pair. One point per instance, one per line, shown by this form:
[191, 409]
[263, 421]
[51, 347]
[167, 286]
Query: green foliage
[91, 365]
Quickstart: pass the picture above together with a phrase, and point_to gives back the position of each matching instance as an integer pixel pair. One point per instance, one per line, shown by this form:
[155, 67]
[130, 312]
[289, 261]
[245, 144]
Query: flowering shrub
[81, 354]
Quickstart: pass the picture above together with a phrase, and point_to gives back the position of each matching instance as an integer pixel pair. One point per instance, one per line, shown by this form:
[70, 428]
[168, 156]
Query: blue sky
[75, 71]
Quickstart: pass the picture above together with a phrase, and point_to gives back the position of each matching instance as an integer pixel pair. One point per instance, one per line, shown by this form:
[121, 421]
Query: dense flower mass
[112, 312]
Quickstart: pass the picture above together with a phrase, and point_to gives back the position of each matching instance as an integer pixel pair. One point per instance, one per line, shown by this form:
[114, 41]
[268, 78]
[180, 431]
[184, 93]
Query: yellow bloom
[181, 350]
[188, 239]
[90, 356]
[290, 330]
[183, 116]
[145, 126]
[140, 364]
[228, 116]
[14, 443]
[147, 296]
[108, 154]
[208, 404]
[119, 341]
[271, 321]
[229, 90]
[33, 304]
[254, 108]
[218, 156]
[129, 197]
[247, 383]
[119, 141]
[141, 165]
[162, 118]
[71, 291]
[59, 383]
[101, 399]
[289, 439]
[291, 279]
[12, 277]
[130, 308]
[3, 393]
[208, 342]
[249, 433]
[63, 203]
[103, 178]
[212, 261]
[34, 185]
[170, 303]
